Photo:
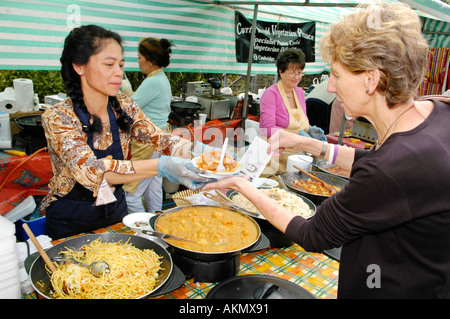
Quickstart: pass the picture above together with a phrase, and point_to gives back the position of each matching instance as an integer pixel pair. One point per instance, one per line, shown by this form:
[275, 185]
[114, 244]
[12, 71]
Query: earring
[367, 91]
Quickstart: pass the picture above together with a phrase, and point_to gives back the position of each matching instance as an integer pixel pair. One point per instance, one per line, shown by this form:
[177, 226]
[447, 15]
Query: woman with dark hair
[283, 106]
[89, 137]
[153, 96]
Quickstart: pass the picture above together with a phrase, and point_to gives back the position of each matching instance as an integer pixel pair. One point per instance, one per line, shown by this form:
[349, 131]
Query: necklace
[288, 96]
[381, 141]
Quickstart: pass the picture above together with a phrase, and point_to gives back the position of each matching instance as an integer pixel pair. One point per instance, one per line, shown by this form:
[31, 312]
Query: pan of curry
[215, 232]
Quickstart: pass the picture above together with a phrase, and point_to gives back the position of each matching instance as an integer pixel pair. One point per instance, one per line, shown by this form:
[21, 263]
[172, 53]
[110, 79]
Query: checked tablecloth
[315, 272]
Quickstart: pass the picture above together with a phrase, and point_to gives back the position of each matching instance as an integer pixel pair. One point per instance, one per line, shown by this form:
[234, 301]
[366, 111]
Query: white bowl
[130, 221]
[264, 182]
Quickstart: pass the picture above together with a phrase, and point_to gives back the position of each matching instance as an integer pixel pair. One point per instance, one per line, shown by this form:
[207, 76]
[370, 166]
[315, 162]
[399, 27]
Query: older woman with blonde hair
[392, 218]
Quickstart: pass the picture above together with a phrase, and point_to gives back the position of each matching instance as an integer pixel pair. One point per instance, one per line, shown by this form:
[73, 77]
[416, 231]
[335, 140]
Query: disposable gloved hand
[303, 133]
[317, 133]
[182, 171]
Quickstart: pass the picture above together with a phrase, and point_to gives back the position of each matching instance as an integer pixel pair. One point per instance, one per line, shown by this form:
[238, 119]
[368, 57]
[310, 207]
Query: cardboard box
[53, 99]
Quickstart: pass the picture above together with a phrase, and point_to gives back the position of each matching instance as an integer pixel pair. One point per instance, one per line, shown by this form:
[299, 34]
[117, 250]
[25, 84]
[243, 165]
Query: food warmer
[208, 94]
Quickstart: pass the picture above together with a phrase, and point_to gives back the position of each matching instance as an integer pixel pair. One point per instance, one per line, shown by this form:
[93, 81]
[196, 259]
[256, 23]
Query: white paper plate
[196, 160]
[264, 182]
[131, 219]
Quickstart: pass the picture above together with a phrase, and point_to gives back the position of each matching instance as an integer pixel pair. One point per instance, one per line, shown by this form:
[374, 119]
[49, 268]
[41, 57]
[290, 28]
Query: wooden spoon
[331, 188]
[39, 248]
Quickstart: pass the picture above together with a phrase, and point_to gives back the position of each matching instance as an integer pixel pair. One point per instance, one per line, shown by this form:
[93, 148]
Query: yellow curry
[213, 229]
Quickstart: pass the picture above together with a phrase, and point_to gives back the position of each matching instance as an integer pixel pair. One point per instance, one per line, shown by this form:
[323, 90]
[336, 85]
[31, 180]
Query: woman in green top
[153, 96]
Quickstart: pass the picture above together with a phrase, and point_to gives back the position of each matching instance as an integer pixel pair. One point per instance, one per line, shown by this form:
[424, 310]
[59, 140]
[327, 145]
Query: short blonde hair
[383, 36]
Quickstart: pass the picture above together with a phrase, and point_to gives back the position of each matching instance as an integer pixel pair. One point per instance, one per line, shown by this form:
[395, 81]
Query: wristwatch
[324, 149]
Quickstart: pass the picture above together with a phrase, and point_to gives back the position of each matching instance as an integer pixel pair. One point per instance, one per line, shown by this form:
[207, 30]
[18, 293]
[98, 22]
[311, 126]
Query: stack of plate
[9, 262]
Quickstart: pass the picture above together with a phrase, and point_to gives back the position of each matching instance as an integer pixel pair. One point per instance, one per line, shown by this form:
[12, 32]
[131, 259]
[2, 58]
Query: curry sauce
[213, 229]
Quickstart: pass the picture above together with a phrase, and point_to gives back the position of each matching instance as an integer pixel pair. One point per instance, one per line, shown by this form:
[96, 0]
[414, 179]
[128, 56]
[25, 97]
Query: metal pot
[30, 124]
[212, 256]
[289, 178]
[183, 108]
[40, 279]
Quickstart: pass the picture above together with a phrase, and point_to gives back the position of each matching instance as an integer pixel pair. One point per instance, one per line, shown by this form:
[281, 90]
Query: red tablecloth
[25, 176]
[345, 141]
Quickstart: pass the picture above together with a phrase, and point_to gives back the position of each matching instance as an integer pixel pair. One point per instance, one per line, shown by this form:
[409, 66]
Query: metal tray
[289, 178]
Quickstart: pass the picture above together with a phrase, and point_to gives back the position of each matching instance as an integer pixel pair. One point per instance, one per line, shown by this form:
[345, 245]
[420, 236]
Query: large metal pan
[212, 256]
[312, 206]
[328, 169]
[40, 279]
[289, 178]
[275, 236]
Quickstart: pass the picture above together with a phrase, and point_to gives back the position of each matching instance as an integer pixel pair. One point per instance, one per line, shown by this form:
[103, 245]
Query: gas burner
[207, 271]
[31, 143]
[184, 120]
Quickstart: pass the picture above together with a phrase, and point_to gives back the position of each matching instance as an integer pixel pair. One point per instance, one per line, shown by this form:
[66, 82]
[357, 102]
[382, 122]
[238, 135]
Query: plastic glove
[303, 133]
[317, 133]
[182, 171]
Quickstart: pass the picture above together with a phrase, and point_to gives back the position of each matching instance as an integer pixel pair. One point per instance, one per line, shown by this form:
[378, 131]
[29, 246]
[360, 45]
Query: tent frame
[252, 39]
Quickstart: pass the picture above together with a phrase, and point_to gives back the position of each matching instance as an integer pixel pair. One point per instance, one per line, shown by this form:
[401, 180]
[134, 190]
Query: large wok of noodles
[133, 249]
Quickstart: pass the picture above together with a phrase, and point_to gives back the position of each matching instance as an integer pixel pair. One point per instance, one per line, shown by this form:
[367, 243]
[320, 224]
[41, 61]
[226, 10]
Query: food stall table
[315, 272]
[349, 141]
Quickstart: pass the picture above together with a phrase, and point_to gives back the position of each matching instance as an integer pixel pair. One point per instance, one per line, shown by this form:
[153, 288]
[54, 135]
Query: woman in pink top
[283, 104]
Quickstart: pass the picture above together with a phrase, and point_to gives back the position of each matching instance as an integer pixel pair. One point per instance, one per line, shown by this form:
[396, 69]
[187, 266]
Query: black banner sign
[272, 38]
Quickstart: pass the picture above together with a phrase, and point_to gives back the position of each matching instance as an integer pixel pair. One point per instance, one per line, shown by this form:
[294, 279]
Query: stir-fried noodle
[133, 272]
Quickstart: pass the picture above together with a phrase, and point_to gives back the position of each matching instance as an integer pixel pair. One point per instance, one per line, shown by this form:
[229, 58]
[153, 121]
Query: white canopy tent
[32, 31]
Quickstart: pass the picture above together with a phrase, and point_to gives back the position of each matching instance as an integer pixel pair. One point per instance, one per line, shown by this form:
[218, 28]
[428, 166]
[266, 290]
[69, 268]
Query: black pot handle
[265, 291]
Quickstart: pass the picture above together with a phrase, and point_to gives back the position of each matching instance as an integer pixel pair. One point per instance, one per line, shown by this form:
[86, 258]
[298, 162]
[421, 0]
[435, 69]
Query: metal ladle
[97, 268]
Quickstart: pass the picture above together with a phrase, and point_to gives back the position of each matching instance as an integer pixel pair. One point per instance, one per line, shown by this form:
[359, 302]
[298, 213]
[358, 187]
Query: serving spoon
[97, 268]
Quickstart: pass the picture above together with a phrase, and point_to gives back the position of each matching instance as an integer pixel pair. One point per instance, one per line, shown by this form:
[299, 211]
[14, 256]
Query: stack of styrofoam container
[9, 263]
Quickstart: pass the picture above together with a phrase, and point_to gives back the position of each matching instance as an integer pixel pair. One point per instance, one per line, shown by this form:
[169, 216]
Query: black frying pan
[185, 107]
[30, 124]
[40, 279]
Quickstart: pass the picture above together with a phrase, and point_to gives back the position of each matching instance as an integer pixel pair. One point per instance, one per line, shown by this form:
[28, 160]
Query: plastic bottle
[35, 102]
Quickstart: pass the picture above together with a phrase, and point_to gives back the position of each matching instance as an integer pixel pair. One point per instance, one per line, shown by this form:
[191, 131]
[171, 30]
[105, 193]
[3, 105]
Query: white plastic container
[9, 262]
[5, 130]
[302, 161]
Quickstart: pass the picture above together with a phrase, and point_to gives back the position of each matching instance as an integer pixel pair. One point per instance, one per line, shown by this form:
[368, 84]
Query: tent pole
[249, 68]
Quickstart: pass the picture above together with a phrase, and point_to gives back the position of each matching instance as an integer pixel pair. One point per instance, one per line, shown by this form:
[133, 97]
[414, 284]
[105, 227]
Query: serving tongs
[225, 202]
[331, 188]
[163, 235]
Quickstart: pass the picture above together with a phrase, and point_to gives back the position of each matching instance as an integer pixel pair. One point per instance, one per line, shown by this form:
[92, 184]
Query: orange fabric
[30, 178]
